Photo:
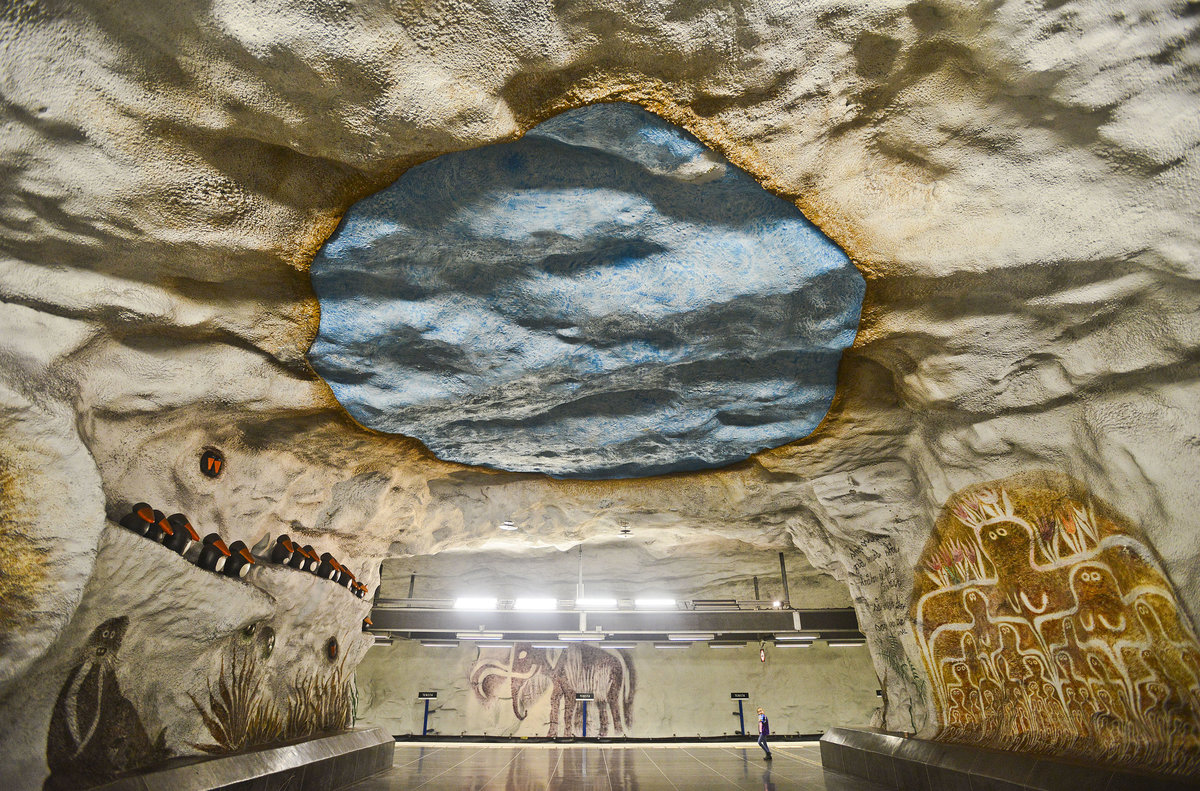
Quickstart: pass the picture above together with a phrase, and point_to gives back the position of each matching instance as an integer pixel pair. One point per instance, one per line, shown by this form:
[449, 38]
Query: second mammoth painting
[1047, 624]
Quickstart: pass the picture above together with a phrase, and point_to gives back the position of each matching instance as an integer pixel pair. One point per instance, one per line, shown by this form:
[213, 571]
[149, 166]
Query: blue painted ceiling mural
[603, 298]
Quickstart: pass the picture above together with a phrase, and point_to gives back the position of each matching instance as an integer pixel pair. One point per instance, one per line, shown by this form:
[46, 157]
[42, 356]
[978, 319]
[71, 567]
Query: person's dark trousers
[762, 742]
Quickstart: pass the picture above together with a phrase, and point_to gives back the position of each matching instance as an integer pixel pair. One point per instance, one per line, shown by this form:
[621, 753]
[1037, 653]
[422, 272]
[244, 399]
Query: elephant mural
[530, 671]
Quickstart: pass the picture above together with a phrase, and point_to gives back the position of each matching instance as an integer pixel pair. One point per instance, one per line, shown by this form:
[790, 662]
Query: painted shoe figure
[283, 550]
[139, 519]
[213, 554]
[239, 562]
[314, 560]
[328, 567]
[161, 530]
[298, 560]
[183, 534]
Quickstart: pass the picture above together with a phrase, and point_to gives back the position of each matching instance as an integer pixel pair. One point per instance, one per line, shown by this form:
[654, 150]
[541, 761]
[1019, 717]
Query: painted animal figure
[577, 668]
[95, 731]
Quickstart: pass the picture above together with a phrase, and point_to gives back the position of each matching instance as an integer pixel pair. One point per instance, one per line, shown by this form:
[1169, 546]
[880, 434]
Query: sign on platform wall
[426, 695]
[739, 695]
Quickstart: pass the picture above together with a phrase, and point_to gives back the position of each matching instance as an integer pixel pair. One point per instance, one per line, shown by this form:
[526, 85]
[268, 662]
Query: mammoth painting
[525, 673]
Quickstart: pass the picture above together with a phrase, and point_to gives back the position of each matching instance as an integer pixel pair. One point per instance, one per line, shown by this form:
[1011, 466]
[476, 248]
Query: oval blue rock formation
[603, 298]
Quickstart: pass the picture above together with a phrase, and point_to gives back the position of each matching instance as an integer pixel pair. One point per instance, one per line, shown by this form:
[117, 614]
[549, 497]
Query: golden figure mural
[1047, 625]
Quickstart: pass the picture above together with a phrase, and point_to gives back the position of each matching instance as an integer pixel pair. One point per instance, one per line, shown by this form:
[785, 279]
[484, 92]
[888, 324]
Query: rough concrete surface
[1015, 181]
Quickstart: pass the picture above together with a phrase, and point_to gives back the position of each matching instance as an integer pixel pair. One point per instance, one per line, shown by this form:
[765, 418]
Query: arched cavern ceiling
[1015, 187]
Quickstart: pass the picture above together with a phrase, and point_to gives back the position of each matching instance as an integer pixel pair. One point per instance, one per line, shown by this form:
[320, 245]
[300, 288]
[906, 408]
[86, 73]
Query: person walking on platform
[764, 730]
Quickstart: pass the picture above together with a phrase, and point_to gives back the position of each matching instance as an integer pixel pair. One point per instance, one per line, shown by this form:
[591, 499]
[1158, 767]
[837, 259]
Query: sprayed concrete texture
[1014, 182]
[677, 692]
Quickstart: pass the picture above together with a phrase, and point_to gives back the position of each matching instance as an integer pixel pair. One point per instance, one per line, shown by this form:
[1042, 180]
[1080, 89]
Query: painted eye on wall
[1001, 531]
[522, 655]
[331, 649]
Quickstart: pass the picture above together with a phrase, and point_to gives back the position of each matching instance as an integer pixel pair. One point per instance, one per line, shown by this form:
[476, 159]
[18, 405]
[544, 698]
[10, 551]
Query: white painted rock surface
[1016, 184]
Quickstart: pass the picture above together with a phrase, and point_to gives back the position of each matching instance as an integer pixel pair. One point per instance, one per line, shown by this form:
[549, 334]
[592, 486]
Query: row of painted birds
[211, 553]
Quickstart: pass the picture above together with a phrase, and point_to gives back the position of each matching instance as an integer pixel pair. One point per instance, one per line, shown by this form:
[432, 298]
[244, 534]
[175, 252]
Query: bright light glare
[535, 604]
[654, 604]
[776, 604]
[794, 644]
[595, 604]
[474, 603]
[796, 636]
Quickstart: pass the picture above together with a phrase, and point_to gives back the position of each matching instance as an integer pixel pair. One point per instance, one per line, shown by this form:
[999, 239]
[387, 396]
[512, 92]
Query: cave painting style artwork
[525, 674]
[604, 298]
[1047, 625]
[241, 710]
[95, 732]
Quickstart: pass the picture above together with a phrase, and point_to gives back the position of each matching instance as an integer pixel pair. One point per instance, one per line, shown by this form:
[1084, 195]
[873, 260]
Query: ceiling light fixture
[480, 635]
[474, 603]
[654, 604]
[691, 636]
[440, 643]
[794, 644]
[810, 636]
[581, 637]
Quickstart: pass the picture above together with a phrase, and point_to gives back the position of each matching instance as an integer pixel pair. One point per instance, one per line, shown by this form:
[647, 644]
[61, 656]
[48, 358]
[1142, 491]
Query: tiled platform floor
[608, 767]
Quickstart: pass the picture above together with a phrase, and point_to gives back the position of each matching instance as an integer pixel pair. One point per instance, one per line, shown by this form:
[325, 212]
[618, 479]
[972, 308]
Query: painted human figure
[764, 730]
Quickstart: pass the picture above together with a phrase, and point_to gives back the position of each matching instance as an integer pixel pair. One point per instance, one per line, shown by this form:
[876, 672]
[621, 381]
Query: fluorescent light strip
[440, 643]
[480, 635]
[844, 643]
[654, 604]
[794, 644]
[693, 636]
[535, 604]
[595, 604]
[474, 603]
[581, 637]
[797, 636]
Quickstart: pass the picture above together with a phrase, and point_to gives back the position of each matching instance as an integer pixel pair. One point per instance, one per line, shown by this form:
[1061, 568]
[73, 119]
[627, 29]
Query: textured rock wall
[1013, 181]
[678, 691]
[167, 645]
